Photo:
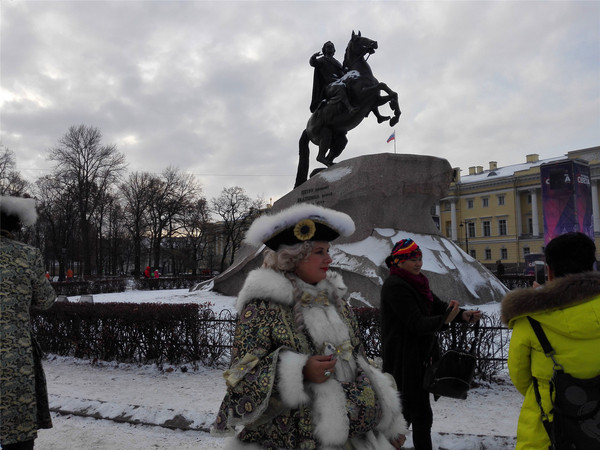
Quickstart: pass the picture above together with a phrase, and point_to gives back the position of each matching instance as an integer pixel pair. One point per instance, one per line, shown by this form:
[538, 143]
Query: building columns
[518, 214]
[453, 219]
[534, 213]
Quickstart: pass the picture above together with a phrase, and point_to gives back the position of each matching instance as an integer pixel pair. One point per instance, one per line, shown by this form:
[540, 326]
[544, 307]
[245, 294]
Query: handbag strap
[475, 338]
[545, 343]
[549, 352]
[439, 327]
[539, 332]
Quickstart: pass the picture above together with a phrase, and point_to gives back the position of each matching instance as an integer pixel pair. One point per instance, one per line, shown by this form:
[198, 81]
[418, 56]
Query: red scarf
[419, 282]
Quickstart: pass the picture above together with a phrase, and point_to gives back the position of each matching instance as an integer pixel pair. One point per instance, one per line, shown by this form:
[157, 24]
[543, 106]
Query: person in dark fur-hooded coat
[568, 308]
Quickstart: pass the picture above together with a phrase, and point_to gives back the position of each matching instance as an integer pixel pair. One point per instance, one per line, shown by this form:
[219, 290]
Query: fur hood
[269, 284]
[560, 293]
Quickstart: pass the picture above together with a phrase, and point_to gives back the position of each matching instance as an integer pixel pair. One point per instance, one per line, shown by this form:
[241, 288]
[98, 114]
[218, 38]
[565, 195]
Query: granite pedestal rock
[389, 197]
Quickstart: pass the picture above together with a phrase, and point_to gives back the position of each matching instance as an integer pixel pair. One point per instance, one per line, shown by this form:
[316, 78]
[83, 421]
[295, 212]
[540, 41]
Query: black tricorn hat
[299, 223]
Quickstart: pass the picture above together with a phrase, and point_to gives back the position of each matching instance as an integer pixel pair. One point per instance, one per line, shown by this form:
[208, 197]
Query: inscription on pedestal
[317, 195]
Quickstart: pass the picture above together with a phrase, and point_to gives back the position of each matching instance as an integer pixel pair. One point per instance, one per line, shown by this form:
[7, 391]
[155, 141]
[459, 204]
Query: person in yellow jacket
[568, 308]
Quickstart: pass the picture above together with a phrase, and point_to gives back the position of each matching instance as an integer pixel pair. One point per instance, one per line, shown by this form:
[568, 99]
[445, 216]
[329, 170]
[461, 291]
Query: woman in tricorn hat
[298, 376]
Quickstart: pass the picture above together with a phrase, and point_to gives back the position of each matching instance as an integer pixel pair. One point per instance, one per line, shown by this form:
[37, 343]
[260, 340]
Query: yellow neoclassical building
[496, 213]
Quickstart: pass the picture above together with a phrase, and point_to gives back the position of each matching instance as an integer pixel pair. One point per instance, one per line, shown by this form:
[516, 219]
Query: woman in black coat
[410, 316]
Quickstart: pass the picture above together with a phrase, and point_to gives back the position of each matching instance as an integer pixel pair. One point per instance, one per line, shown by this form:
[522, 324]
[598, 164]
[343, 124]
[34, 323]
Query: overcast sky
[222, 89]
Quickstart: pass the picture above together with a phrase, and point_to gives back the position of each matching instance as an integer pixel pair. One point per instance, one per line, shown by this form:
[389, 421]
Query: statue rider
[326, 85]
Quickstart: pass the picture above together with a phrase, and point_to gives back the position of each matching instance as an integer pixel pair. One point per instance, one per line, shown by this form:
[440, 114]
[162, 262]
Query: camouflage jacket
[22, 286]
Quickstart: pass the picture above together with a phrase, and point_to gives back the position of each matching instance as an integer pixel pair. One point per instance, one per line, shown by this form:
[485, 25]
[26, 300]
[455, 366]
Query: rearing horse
[328, 125]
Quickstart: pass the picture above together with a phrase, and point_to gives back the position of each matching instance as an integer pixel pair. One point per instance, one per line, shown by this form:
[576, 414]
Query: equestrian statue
[343, 95]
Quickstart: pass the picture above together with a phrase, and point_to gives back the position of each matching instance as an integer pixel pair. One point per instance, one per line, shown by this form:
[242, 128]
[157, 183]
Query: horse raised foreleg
[392, 98]
[303, 156]
[380, 118]
[396, 108]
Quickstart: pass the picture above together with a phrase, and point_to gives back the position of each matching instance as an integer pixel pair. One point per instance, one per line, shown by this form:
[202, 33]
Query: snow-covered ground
[141, 401]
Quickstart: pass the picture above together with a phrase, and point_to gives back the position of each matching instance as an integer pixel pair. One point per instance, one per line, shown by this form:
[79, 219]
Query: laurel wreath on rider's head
[304, 230]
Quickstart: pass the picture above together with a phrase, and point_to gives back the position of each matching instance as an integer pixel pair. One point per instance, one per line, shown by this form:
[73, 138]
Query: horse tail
[303, 156]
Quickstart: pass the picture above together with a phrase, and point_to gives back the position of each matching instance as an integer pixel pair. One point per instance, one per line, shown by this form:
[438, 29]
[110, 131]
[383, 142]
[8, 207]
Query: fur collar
[269, 284]
[560, 293]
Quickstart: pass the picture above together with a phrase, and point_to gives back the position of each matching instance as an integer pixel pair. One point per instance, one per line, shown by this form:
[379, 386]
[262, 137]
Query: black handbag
[452, 374]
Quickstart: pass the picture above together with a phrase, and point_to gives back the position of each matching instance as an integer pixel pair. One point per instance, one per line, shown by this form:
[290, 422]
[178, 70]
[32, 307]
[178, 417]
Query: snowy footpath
[110, 406]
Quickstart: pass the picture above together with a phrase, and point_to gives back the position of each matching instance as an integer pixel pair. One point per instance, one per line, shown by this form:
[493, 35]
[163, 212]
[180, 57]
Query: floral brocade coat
[267, 400]
[24, 408]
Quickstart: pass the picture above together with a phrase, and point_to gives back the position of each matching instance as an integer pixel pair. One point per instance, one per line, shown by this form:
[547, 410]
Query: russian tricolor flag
[392, 137]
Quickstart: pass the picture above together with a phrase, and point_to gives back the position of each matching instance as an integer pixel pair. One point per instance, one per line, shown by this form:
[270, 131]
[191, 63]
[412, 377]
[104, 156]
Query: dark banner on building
[566, 198]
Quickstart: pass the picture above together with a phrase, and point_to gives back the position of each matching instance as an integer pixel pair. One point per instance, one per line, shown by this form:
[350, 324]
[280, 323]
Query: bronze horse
[328, 125]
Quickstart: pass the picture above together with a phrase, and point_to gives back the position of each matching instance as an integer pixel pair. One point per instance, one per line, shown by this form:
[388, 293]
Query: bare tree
[58, 219]
[108, 224]
[236, 211]
[194, 222]
[137, 197]
[171, 195]
[11, 182]
[89, 169]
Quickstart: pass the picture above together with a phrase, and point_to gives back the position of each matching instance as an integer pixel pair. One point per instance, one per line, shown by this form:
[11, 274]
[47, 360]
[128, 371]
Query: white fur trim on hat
[263, 228]
[23, 208]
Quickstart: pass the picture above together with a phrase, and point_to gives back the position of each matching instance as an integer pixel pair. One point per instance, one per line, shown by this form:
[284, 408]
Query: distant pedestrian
[147, 272]
[47, 275]
[499, 268]
[24, 407]
[156, 274]
[69, 274]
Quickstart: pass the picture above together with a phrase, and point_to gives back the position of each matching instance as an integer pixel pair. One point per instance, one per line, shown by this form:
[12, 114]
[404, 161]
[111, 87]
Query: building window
[526, 251]
[503, 253]
[448, 229]
[487, 229]
[488, 254]
[485, 202]
[473, 253]
[500, 200]
[502, 227]
[470, 203]
[471, 229]
[529, 199]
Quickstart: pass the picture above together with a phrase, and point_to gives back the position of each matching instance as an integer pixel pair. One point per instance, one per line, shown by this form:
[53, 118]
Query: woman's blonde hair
[287, 257]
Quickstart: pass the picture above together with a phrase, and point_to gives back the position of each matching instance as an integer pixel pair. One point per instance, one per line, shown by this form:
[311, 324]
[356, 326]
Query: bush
[107, 285]
[163, 333]
[125, 332]
[100, 286]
